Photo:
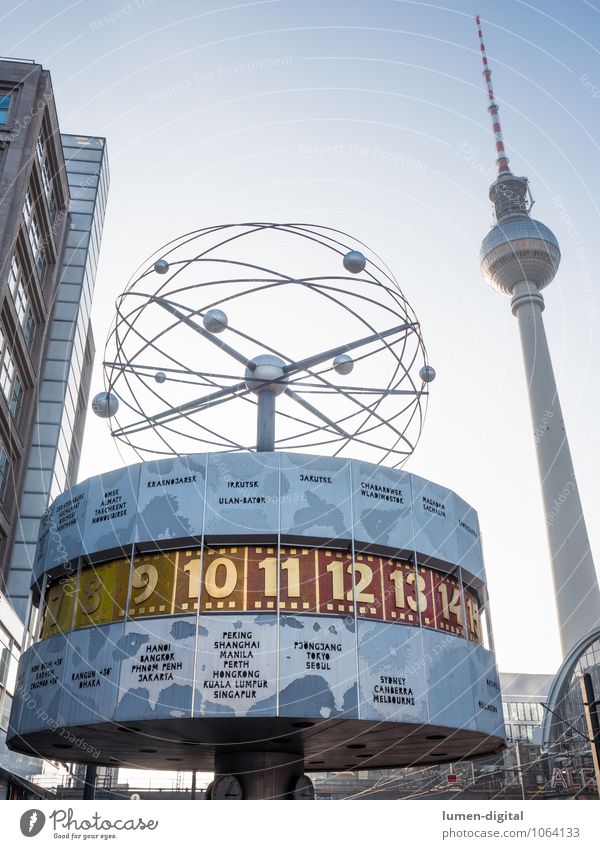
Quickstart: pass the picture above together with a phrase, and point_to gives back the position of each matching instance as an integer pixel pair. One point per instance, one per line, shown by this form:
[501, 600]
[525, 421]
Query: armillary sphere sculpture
[277, 316]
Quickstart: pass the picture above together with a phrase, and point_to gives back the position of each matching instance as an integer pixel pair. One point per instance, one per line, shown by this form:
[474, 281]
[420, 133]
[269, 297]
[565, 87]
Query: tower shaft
[573, 572]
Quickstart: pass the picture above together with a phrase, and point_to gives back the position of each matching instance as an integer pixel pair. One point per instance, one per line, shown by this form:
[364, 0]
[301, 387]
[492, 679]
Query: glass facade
[47, 773]
[53, 459]
[570, 735]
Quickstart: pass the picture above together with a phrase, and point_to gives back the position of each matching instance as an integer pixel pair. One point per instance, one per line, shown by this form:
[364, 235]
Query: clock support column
[262, 775]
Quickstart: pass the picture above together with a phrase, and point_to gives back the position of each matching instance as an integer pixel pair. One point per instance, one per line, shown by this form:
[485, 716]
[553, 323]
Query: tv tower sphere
[519, 249]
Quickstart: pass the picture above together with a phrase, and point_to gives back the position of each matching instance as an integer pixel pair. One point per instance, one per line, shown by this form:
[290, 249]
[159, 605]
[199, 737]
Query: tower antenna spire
[493, 108]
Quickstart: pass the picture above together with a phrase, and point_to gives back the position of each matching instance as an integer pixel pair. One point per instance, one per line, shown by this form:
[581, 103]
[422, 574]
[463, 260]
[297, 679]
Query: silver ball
[160, 377]
[215, 321]
[266, 367]
[355, 262]
[427, 374]
[343, 364]
[105, 405]
[161, 266]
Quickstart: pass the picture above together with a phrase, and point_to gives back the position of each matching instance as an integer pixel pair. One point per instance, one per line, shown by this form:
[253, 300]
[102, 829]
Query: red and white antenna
[493, 107]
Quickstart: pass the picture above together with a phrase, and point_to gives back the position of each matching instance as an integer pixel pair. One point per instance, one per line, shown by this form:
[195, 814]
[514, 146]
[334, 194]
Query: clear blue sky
[368, 116]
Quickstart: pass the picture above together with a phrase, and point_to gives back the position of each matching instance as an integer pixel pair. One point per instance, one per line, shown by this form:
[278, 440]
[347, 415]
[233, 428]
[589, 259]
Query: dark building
[53, 192]
[34, 196]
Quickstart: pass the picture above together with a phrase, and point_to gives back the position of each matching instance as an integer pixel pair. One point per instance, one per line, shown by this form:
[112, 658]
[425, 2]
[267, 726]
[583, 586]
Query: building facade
[34, 197]
[55, 449]
[53, 192]
[21, 777]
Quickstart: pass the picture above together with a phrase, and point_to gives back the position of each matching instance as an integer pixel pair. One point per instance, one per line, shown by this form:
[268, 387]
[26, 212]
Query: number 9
[145, 576]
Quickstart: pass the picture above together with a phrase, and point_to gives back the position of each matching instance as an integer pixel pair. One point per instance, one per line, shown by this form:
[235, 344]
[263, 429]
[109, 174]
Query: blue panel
[434, 522]
[237, 665]
[242, 495]
[315, 498]
[392, 680]
[62, 529]
[448, 679]
[171, 498]
[112, 509]
[382, 508]
[317, 667]
[486, 691]
[91, 680]
[468, 539]
[157, 668]
[44, 666]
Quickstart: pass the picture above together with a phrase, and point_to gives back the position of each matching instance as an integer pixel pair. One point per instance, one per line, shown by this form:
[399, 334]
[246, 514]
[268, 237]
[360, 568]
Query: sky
[370, 117]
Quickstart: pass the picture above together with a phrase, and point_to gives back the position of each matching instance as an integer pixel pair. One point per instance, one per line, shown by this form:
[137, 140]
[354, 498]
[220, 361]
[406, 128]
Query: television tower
[519, 257]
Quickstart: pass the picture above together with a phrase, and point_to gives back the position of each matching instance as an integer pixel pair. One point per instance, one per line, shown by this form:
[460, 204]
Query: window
[29, 327]
[34, 235]
[27, 209]
[7, 372]
[10, 382]
[40, 264]
[19, 291]
[39, 149]
[47, 183]
[6, 706]
[46, 179]
[15, 397]
[4, 472]
[4, 108]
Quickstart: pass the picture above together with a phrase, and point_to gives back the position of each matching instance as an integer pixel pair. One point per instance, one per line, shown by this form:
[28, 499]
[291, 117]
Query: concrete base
[263, 775]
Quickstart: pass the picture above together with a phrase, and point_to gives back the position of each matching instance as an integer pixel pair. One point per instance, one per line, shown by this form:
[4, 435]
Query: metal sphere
[355, 262]
[519, 249]
[105, 405]
[343, 364]
[161, 266]
[215, 321]
[267, 367]
[427, 374]
[160, 377]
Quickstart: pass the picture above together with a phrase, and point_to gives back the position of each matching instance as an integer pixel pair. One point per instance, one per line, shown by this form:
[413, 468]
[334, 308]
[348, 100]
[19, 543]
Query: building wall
[33, 220]
[53, 459]
[12, 764]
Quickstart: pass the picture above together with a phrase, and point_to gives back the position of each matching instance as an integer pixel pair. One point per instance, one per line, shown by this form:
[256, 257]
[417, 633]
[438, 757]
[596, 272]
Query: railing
[15, 59]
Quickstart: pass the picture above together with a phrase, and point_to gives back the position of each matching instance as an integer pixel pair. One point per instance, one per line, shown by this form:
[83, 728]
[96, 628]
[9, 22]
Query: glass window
[29, 327]
[39, 149]
[7, 372]
[21, 301]
[40, 264]
[4, 472]
[6, 706]
[16, 397]
[19, 291]
[35, 238]
[14, 275]
[4, 107]
[27, 209]
[4, 660]
[46, 179]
